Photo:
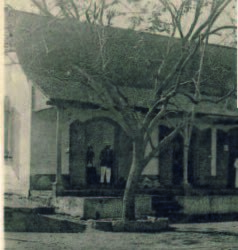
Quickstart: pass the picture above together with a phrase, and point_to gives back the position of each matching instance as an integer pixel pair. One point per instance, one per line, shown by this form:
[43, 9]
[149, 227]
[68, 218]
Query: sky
[224, 39]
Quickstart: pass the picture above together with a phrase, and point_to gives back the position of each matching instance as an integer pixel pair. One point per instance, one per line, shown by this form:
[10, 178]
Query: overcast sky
[26, 5]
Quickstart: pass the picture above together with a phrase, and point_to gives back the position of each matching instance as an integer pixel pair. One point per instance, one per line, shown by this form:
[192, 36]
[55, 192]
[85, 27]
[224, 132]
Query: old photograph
[120, 124]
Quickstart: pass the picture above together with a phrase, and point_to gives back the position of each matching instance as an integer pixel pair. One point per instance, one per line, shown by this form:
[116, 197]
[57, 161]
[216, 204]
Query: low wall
[213, 204]
[100, 207]
[111, 207]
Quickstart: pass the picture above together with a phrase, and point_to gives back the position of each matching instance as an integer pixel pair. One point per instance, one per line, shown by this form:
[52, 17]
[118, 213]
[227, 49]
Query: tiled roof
[140, 97]
[47, 48]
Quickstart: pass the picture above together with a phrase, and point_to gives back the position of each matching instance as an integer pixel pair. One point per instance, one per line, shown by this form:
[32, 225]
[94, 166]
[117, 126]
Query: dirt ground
[219, 236]
[195, 236]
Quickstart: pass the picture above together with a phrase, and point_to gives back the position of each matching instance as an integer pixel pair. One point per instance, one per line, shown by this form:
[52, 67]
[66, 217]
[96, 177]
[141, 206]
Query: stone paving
[219, 236]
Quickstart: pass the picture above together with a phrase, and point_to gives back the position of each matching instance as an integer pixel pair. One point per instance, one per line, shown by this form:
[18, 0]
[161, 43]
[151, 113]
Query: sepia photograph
[120, 125]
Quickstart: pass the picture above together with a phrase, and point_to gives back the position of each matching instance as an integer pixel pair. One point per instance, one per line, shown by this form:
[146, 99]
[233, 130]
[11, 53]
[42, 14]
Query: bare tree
[172, 75]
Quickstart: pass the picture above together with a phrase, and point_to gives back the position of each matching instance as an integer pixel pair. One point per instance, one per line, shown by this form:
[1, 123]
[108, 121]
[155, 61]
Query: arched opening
[177, 167]
[98, 132]
[171, 160]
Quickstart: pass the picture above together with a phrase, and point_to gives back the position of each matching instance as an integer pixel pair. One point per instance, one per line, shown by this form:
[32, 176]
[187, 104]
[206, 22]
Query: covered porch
[212, 151]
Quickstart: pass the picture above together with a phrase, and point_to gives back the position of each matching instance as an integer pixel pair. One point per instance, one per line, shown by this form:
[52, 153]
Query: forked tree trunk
[128, 210]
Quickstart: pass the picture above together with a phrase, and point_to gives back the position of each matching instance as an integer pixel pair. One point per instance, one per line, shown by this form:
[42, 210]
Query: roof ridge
[120, 28]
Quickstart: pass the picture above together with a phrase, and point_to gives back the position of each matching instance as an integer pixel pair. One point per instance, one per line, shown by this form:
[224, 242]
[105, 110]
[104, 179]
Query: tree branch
[222, 28]
[162, 145]
[196, 17]
[165, 58]
[180, 65]
[75, 9]
[149, 126]
[66, 12]
[197, 101]
[44, 9]
[174, 16]
[212, 18]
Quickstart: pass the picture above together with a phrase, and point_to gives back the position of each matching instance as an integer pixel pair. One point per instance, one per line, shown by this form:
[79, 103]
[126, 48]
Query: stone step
[159, 198]
[94, 192]
[165, 205]
[44, 210]
[157, 225]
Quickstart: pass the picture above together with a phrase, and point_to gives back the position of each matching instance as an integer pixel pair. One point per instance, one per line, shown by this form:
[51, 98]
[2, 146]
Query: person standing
[90, 168]
[106, 164]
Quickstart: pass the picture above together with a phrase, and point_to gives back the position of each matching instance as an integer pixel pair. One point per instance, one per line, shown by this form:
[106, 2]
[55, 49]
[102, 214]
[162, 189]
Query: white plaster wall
[39, 100]
[43, 142]
[18, 89]
[43, 153]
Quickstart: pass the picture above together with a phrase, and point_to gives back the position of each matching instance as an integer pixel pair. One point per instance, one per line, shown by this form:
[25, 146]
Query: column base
[187, 188]
[57, 189]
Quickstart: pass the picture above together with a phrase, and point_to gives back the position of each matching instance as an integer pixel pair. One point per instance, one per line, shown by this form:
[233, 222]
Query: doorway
[177, 167]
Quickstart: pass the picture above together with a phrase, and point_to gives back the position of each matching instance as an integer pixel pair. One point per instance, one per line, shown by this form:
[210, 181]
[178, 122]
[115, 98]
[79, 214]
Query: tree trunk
[128, 210]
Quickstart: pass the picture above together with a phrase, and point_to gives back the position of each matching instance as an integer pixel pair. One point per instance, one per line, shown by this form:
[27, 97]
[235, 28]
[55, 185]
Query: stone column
[186, 144]
[214, 152]
[58, 184]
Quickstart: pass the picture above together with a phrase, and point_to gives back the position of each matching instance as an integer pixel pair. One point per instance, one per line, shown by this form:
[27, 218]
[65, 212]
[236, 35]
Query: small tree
[172, 74]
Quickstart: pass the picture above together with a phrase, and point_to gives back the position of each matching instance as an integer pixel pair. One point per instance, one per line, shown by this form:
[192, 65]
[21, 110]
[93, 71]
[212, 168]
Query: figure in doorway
[90, 168]
[106, 164]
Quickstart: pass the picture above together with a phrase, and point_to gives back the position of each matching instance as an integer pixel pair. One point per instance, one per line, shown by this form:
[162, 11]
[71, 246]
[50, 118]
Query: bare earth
[219, 236]
[195, 236]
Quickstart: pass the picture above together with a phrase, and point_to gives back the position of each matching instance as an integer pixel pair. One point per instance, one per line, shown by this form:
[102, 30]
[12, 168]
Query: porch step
[163, 191]
[165, 206]
[94, 192]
